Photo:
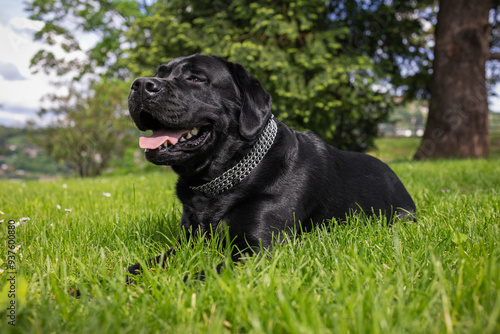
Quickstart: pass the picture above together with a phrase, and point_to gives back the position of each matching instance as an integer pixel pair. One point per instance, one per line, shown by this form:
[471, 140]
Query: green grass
[395, 149]
[403, 149]
[440, 275]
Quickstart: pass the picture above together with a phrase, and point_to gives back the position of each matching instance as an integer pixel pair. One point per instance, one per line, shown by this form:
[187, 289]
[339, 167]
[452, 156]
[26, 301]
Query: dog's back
[336, 183]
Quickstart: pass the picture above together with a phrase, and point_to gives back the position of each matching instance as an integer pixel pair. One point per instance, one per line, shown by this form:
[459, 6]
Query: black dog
[212, 122]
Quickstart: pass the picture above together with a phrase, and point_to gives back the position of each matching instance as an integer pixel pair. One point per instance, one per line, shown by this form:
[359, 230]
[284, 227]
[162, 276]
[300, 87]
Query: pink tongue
[159, 137]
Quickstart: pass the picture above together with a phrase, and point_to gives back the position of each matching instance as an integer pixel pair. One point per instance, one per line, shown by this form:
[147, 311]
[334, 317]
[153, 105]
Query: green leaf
[459, 238]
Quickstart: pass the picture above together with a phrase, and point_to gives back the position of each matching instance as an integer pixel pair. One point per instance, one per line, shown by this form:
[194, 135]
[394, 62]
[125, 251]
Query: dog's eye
[194, 78]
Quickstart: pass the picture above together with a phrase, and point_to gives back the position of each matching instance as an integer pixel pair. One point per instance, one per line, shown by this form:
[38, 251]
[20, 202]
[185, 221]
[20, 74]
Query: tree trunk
[457, 125]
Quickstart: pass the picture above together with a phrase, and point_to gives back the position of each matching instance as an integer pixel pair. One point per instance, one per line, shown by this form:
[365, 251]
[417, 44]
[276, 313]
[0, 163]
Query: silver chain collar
[243, 168]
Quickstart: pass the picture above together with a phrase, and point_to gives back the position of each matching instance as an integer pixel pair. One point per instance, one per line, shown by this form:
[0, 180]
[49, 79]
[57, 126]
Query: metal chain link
[243, 168]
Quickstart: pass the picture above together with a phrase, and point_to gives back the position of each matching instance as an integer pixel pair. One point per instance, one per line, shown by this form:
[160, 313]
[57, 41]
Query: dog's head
[199, 108]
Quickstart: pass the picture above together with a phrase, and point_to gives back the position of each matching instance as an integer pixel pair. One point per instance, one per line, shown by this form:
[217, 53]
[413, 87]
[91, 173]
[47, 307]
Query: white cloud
[21, 24]
[10, 72]
[21, 90]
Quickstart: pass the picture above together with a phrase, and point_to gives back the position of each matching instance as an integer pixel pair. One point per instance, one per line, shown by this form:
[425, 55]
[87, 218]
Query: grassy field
[440, 275]
[403, 149]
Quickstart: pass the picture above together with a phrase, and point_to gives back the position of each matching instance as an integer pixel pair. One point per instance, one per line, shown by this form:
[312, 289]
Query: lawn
[440, 275]
[402, 149]
[395, 149]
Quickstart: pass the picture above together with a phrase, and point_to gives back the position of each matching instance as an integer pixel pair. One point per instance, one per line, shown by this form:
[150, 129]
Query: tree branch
[494, 56]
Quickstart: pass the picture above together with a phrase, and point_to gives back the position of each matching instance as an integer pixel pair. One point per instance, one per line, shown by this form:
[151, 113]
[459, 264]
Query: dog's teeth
[195, 131]
[189, 136]
[182, 139]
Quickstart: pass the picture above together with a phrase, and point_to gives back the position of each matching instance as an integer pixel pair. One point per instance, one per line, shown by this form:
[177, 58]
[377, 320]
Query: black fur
[301, 178]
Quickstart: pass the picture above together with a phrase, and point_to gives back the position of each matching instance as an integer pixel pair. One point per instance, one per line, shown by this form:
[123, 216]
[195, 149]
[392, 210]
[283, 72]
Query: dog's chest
[204, 212]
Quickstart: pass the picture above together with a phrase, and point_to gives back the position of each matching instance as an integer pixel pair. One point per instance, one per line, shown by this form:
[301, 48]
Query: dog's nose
[149, 85]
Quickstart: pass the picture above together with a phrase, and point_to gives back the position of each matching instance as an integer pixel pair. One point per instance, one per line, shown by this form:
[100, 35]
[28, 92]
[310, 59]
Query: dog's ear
[255, 102]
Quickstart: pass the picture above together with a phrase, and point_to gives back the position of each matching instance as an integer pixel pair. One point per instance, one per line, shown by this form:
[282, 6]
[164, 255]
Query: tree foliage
[396, 35]
[331, 66]
[91, 128]
[66, 21]
[317, 81]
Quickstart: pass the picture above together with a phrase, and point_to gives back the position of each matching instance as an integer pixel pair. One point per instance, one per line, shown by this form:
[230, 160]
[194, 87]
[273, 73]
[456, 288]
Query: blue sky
[21, 91]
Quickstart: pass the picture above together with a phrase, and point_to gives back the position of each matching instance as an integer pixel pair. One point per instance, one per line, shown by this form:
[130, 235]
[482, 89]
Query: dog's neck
[244, 167]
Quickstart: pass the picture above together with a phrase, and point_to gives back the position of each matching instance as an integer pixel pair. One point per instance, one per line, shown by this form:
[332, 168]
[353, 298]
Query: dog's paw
[132, 271]
[75, 292]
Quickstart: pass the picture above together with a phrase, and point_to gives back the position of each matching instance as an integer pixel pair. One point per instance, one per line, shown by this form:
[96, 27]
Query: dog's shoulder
[303, 140]
[309, 146]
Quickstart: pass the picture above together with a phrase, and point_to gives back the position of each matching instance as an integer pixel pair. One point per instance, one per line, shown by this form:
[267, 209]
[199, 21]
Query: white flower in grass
[1, 271]
[1, 221]
[65, 186]
[58, 207]
[106, 194]
[68, 210]
[21, 255]
[16, 249]
[16, 224]
[1, 213]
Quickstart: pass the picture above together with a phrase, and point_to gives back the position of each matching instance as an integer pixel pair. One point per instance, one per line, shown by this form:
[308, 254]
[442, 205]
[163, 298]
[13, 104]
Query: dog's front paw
[132, 270]
[75, 292]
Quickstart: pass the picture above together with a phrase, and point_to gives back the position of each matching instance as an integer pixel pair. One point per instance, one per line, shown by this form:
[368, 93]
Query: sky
[21, 91]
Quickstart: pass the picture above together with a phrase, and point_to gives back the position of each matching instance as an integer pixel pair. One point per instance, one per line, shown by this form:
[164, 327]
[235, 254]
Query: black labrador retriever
[212, 123]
